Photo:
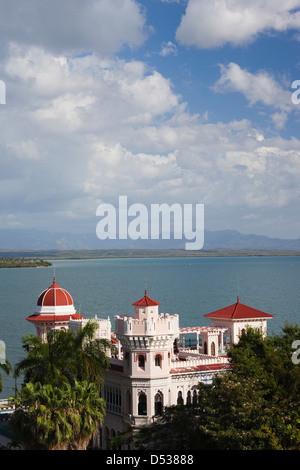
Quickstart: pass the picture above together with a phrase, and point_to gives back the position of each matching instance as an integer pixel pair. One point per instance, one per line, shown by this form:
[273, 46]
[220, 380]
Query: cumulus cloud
[61, 91]
[103, 26]
[168, 48]
[259, 87]
[214, 23]
[88, 129]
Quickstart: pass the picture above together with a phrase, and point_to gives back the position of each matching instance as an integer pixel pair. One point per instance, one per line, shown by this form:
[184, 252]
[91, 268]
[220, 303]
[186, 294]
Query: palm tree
[89, 411]
[61, 392]
[57, 418]
[46, 362]
[64, 357]
[89, 355]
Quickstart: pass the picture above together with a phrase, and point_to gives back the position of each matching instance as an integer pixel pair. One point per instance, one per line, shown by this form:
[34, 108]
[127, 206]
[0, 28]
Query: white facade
[103, 330]
[152, 370]
[237, 327]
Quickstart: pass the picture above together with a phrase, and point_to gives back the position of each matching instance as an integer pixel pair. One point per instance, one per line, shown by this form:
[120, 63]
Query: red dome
[54, 296]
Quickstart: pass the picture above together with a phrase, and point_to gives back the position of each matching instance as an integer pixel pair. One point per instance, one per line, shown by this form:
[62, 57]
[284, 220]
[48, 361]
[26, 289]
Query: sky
[164, 101]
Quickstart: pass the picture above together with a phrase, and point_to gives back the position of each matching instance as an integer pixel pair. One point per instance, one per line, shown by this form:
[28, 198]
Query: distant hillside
[19, 239]
[235, 240]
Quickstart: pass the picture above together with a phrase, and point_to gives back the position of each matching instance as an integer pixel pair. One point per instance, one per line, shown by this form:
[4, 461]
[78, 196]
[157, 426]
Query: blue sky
[184, 101]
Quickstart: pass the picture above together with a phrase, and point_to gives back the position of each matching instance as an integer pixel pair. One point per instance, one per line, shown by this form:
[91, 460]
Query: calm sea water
[189, 287]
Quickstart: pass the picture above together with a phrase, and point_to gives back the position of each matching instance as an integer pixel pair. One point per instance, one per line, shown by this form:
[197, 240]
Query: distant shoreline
[35, 258]
[16, 262]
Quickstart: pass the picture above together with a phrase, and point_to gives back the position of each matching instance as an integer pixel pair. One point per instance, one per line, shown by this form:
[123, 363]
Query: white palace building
[153, 365]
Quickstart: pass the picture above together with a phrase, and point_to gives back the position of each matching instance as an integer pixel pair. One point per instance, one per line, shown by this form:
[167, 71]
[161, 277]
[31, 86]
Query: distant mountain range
[19, 239]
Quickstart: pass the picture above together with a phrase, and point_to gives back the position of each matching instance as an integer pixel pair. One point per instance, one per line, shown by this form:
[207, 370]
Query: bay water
[190, 287]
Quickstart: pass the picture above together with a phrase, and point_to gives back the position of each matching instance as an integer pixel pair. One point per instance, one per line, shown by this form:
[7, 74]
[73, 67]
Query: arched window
[189, 398]
[205, 347]
[158, 403]
[142, 406]
[213, 349]
[179, 399]
[141, 361]
[158, 360]
[195, 397]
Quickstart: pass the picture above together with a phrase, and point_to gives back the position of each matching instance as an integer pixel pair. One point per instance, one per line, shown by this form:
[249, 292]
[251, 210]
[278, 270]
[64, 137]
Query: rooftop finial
[54, 279]
[145, 285]
[237, 287]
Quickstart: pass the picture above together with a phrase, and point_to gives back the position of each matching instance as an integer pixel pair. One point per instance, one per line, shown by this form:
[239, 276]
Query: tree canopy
[64, 357]
[253, 406]
[59, 405]
[57, 418]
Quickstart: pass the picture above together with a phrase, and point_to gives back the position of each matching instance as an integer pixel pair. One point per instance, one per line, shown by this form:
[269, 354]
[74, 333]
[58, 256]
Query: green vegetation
[59, 405]
[23, 263]
[6, 367]
[254, 406]
[39, 255]
[57, 418]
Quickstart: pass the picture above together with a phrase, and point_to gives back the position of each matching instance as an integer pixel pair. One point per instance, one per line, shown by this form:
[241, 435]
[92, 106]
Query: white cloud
[258, 87]
[112, 167]
[168, 48]
[62, 91]
[90, 129]
[103, 26]
[214, 23]
[279, 120]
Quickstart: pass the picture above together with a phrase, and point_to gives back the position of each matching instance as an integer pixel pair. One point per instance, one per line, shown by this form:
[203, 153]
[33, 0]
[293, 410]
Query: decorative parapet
[103, 330]
[163, 324]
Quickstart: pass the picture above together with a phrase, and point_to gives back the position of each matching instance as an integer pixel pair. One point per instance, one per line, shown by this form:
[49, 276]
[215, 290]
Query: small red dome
[54, 296]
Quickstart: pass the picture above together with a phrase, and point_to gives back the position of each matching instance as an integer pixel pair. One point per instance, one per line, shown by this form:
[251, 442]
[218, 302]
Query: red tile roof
[238, 311]
[145, 301]
[51, 317]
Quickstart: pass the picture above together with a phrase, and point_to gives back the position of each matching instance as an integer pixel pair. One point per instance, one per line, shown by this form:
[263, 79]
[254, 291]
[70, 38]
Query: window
[142, 406]
[158, 360]
[141, 361]
[158, 403]
[112, 396]
[179, 399]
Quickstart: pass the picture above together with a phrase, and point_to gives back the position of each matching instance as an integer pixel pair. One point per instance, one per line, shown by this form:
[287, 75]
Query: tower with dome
[54, 310]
